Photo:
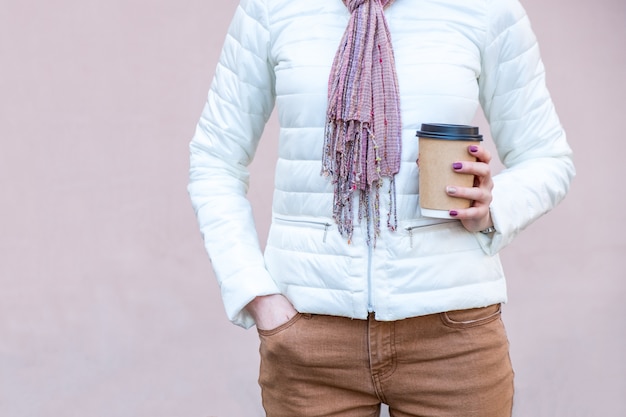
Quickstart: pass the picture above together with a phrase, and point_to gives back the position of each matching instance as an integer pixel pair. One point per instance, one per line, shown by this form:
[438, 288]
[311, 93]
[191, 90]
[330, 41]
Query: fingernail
[457, 165]
[473, 148]
[454, 213]
[451, 190]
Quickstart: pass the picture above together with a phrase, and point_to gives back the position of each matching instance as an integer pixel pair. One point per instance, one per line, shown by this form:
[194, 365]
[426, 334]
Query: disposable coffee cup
[441, 145]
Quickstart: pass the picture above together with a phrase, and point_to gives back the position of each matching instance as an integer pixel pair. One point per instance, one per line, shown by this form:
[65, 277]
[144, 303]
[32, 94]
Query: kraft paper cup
[440, 145]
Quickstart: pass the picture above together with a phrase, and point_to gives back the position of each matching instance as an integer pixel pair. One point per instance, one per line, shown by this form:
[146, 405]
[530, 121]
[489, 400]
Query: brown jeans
[453, 364]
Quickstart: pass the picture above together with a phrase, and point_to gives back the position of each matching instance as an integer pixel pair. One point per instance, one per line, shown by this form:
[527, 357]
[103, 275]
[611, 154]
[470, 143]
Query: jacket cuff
[239, 291]
[494, 242]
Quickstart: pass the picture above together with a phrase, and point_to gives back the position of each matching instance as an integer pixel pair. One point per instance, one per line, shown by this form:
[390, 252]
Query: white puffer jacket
[451, 57]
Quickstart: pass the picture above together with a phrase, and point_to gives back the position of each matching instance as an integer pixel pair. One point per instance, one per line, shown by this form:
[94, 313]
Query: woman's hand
[477, 217]
[271, 311]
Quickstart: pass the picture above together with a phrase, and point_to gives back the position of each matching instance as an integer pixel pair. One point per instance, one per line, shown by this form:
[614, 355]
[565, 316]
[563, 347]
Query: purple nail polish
[473, 148]
[454, 213]
[457, 165]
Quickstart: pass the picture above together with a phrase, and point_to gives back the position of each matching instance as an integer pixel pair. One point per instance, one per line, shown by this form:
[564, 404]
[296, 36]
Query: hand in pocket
[271, 311]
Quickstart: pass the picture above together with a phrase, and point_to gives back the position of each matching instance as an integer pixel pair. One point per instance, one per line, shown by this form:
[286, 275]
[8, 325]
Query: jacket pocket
[415, 228]
[316, 224]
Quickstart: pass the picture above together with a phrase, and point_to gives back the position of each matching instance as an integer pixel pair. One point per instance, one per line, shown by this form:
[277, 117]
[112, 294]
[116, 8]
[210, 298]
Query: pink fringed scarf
[363, 129]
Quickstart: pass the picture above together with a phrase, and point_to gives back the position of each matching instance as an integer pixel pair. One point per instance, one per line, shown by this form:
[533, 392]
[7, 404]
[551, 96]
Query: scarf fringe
[349, 171]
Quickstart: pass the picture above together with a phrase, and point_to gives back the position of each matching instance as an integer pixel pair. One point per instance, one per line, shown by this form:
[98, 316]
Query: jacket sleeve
[526, 130]
[239, 103]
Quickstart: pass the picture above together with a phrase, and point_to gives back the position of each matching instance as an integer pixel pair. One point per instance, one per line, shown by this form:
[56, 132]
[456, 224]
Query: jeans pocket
[463, 319]
[281, 328]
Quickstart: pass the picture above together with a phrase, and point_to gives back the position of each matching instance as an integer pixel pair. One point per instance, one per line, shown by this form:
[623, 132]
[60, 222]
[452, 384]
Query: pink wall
[108, 306]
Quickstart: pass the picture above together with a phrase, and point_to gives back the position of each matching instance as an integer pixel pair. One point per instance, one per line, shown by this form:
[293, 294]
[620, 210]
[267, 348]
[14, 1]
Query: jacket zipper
[326, 225]
[370, 304]
[370, 285]
[410, 230]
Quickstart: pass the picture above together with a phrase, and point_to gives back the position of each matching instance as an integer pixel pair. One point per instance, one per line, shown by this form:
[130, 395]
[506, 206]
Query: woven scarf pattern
[362, 142]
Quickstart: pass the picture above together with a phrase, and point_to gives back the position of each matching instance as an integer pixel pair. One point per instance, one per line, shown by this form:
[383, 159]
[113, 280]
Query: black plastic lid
[449, 132]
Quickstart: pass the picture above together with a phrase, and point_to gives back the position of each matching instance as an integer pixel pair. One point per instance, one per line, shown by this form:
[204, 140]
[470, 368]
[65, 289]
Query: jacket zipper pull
[326, 226]
[410, 230]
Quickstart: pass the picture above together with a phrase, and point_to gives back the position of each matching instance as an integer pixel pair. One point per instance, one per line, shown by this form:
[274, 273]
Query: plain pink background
[108, 306]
